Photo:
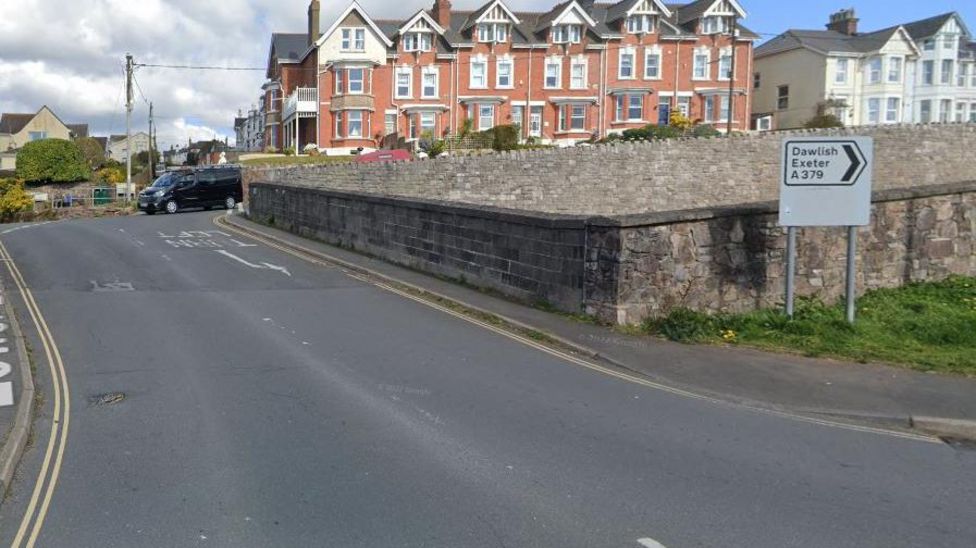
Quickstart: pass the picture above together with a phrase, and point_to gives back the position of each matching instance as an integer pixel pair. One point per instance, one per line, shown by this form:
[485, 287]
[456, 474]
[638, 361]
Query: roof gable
[421, 15]
[568, 11]
[354, 6]
[495, 11]
[925, 28]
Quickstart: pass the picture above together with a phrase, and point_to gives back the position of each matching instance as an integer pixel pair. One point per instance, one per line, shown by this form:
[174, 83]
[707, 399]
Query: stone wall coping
[768, 207]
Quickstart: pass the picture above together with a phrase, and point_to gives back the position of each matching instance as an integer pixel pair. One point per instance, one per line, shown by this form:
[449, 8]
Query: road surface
[273, 402]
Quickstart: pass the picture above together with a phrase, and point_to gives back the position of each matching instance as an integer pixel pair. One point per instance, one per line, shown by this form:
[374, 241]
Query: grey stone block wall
[529, 257]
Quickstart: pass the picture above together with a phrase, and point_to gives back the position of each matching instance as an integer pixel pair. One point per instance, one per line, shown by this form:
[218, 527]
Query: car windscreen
[166, 181]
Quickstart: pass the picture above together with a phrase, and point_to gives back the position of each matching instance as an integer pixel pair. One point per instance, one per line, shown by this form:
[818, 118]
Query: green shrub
[639, 134]
[52, 161]
[505, 138]
[289, 151]
[825, 120]
[663, 132]
[705, 130]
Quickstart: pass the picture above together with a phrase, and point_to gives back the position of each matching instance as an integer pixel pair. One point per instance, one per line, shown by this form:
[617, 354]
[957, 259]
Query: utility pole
[735, 30]
[128, 125]
[152, 162]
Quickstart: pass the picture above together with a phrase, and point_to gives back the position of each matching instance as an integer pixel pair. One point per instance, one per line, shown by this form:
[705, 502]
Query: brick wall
[633, 178]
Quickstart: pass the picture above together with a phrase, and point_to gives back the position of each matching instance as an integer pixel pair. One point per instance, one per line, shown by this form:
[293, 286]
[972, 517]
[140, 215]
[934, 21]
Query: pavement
[227, 393]
[882, 395]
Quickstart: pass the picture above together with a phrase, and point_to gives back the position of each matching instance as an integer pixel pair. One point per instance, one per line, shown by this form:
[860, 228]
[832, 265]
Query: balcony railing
[301, 101]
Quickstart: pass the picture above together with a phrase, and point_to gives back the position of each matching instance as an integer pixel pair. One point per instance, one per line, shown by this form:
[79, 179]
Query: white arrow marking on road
[6, 394]
[649, 543]
[262, 266]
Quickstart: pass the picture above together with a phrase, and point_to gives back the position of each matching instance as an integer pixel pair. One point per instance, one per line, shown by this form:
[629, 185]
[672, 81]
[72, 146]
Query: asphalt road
[272, 402]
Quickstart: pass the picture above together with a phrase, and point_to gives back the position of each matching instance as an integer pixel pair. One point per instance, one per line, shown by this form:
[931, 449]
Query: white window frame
[625, 108]
[417, 41]
[581, 81]
[889, 118]
[568, 118]
[390, 123]
[873, 110]
[896, 68]
[925, 111]
[362, 81]
[701, 63]
[945, 110]
[483, 73]
[962, 75]
[428, 72]
[482, 108]
[928, 73]
[630, 53]
[340, 81]
[510, 64]
[717, 108]
[715, 24]
[567, 34]
[553, 62]
[492, 33]
[403, 71]
[725, 64]
[960, 112]
[654, 53]
[426, 116]
[945, 76]
[875, 69]
[353, 39]
[641, 23]
[842, 71]
[972, 112]
[684, 106]
[361, 121]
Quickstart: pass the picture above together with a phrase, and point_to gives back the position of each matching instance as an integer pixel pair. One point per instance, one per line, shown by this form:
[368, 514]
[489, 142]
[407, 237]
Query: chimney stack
[844, 22]
[313, 22]
[442, 13]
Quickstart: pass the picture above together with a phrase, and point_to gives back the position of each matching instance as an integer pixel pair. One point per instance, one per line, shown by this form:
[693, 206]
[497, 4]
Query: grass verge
[927, 326]
[275, 161]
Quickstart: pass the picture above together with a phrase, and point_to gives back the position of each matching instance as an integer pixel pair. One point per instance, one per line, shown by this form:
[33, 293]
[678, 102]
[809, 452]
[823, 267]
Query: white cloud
[69, 55]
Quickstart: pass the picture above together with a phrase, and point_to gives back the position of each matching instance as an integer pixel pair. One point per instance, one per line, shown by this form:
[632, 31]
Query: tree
[52, 161]
[93, 152]
[142, 158]
[826, 115]
[13, 199]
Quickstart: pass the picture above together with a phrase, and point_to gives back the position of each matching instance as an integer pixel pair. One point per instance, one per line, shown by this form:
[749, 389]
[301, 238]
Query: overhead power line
[200, 67]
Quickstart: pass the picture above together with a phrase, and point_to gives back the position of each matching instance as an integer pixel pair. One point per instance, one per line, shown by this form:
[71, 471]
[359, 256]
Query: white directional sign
[826, 181]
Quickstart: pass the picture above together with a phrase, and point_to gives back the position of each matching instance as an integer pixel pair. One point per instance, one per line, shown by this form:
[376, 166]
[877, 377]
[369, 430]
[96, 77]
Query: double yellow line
[47, 478]
[325, 260]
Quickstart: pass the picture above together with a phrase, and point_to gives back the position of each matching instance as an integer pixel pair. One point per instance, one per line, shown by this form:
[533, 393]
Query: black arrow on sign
[855, 163]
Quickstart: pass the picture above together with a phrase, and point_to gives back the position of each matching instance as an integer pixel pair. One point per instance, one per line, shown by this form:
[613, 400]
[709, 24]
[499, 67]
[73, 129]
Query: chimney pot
[844, 22]
[442, 12]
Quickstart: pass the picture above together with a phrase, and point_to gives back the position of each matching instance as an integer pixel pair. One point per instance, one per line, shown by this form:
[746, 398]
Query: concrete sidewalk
[863, 393]
[16, 391]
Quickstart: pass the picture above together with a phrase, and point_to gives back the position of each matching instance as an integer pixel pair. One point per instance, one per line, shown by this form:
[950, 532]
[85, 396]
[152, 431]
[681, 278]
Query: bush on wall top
[52, 161]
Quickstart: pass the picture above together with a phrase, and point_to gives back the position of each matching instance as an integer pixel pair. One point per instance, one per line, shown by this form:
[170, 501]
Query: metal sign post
[826, 181]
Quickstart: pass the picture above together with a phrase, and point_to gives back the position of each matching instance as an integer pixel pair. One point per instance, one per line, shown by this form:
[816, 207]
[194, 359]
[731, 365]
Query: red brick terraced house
[580, 70]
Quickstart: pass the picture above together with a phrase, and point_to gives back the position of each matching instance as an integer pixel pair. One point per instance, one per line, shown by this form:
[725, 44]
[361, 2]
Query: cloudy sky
[69, 54]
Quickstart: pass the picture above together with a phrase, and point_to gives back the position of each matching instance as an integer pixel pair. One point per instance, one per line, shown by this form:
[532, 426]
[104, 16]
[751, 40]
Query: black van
[206, 187]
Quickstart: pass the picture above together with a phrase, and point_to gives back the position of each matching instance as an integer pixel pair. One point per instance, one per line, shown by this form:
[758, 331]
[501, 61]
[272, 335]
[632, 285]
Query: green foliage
[929, 326]
[505, 137]
[431, 145]
[705, 130]
[52, 161]
[93, 152]
[467, 126]
[142, 158]
[111, 174]
[289, 151]
[825, 120]
[13, 199]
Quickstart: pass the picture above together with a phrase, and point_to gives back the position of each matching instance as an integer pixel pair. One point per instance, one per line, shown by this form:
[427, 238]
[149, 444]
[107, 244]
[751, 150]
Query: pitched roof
[827, 41]
[78, 131]
[289, 47]
[13, 123]
[103, 141]
[928, 27]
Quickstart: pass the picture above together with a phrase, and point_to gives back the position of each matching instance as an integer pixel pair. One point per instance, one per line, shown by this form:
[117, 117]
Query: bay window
[640, 23]
[630, 108]
[356, 80]
[417, 41]
[355, 128]
[572, 117]
[567, 34]
[492, 32]
[486, 116]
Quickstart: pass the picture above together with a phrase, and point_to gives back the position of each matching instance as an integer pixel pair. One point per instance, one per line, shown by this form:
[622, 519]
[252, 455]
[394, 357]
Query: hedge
[52, 161]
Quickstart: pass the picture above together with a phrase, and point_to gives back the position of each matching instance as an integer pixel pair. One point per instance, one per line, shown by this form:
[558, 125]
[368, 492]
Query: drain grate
[107, 399]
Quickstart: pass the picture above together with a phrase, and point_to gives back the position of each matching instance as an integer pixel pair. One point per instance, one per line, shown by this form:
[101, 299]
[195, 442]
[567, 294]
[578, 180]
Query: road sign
[826, 181]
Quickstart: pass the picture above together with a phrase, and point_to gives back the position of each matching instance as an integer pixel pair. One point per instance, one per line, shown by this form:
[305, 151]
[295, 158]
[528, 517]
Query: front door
[664, 113]
[535, 122]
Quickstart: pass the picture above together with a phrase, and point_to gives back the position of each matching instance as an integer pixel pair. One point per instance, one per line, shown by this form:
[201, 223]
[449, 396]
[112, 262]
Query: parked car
[202, 188]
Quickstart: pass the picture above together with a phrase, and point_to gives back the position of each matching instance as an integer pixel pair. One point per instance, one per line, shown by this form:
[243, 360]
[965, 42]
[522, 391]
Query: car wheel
[172, 207]
[230, 202]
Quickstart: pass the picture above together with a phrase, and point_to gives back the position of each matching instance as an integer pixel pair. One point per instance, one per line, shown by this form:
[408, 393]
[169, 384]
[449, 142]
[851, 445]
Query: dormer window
[567, 34]
[641, 23]
[417, 41]
[716, 24]
[354, 39]
[492, 32]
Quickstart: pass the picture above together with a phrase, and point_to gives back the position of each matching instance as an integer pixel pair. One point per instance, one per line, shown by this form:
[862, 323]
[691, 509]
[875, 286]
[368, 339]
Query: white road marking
[16, 228]
[6, 394]
[167, 257]
[242, 244]
[648, 542]
[262, 266]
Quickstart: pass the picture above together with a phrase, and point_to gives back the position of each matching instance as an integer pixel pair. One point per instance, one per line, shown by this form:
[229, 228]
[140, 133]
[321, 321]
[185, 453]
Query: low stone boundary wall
[626, 268]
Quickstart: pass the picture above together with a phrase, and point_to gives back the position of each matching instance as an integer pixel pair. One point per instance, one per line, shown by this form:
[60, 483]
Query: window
[492, 32]
[960, 112]
[640, 23]
[725, 66]
[717, 108]
[891, 113]
[340, 87]
[518, 117]
[567, 34]
[630, 108]
[356, 78]
[554, 68]
[572, 118]
[874, 70]
[428, 122]
[928, 45]
[429, 84]
[353, 39]
[479, 74]
[404, 83]
[894, 70]
[972, 112]
[756, 80]
[963, 75]
[652, 64]
[843, 66]
[945, 108]
[504, 76]
[390, 123]
[412, 131]
[486, 117]
[355, 123]
[783, 97]
[338, 125]
[947, 65]
[626, 64]
[948, 41]
[36, 135]
[684, 106]
[700, 70]
[928, 72]
[716, 24]
[577, 74]
[925, 114]
[874, 111]
[417, 41]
